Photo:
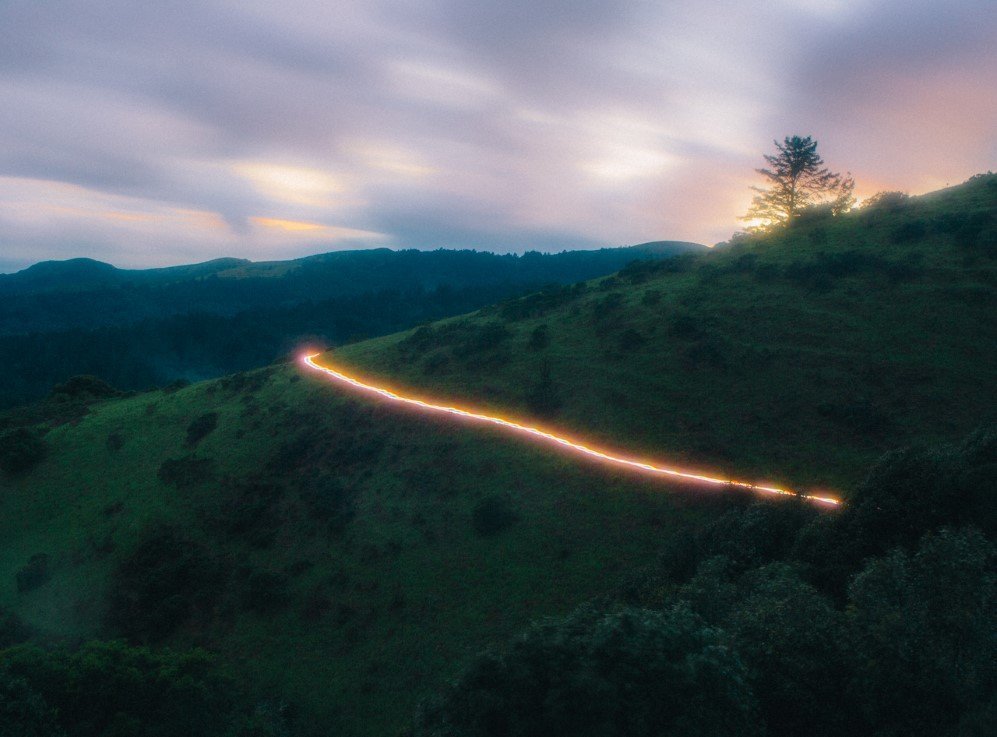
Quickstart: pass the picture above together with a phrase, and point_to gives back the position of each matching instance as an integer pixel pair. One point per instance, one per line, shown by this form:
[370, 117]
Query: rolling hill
[142, 328]
[350, 558]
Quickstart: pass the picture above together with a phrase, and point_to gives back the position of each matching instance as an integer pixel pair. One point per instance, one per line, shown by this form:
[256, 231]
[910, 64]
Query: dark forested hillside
[56, 295]
[138, 329]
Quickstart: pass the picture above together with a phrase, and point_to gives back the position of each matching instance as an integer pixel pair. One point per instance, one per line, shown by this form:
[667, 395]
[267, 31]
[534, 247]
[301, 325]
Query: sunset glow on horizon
[526, 125]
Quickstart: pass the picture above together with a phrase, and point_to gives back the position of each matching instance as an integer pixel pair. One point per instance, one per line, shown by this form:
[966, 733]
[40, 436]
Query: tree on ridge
[797, 180]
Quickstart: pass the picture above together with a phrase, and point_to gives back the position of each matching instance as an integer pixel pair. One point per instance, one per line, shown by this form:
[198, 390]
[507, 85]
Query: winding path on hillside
[339, 376]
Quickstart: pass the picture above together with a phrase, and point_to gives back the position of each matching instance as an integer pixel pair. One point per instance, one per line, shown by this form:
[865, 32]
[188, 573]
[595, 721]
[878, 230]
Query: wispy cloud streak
[524, 124]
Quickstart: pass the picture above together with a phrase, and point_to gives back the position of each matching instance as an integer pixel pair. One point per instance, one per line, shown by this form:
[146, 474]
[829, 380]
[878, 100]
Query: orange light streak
[536, 432]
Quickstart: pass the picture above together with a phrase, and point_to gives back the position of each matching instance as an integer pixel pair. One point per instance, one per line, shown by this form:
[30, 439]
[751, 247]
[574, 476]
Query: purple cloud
[147, 135]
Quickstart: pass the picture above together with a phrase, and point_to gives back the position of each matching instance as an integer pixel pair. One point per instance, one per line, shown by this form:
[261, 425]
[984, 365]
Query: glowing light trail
[571, 445]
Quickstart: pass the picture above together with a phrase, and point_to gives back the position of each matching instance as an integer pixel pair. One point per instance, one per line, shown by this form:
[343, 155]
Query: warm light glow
[291, 225]
[535, 432]
[313, 229]
[294, 184]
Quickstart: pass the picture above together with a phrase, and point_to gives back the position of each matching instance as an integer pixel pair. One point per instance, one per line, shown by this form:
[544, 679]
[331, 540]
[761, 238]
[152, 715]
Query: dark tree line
[135, 331]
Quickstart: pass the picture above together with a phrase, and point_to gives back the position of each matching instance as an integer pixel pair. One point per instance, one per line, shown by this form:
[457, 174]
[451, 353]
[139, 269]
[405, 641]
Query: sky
[149, 134]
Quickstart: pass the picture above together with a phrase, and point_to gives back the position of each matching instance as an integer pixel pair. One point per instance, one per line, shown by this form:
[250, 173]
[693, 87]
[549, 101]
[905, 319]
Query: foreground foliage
[105, 689]
[756, 640]
[632, 672]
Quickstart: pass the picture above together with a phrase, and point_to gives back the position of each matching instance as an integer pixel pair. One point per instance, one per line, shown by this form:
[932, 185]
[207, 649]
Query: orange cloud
[291, 225]
[326, 231]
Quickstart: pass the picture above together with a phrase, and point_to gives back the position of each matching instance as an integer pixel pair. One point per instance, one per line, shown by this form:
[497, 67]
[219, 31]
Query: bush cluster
[186, 472]
[20, 450]
[164, 581]
[108, 689]
[201, 428]
[493, 514]
[34, 574]
[540, 303]
[464, 338]
[776, 619]
[631, 672]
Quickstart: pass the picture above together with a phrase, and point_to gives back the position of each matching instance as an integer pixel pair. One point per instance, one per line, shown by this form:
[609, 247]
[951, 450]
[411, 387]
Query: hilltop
[351, 558]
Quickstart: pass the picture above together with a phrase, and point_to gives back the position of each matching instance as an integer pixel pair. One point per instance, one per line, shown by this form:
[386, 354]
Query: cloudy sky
[158, 133]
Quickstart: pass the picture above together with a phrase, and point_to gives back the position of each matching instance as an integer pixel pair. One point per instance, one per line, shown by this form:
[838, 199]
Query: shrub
[539, 303]
[539, 338]
[630, 340]
[681, 324]
[856, 415]
[708, 351]
[420, 339]
[20, 450]
[115, 441]
[177, 385]
[677, 264]
[493, 514]
[978, 231]
[887, 202]
[908, 493]
[23, 712]
[248, 510]
[12, 629]
[186, 472]
[266, 591]
[434, 362]
[607, 306]
[201, 428]
[818, 236]
[543, 398]
[108, 689]
[330, 501]
[637, 272]
[164, 581]
[633, 672]
[912, 230]
[34, 574]
[85, 388]
[481, 339]
[922, 627]
[813, 214]
[744, 263]
[790, 639]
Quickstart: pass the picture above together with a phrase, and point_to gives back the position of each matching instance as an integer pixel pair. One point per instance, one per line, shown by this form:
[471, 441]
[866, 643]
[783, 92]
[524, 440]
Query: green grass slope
[350, 577]
[799, 356]
[349, 557]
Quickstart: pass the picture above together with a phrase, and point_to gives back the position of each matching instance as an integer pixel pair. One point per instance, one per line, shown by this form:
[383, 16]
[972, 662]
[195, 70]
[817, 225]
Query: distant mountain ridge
[140, 328]
[81, 274]
[84, 274]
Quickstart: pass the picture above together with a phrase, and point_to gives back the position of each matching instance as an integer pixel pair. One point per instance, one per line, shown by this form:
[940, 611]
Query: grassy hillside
[363, 520]
[798, 356]
[349, 557]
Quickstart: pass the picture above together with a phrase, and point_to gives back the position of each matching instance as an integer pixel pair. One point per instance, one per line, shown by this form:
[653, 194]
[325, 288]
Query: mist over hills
[350, 560]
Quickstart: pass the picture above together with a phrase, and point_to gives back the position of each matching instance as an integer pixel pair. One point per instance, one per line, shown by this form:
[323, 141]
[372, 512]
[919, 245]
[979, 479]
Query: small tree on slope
[798, 179]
